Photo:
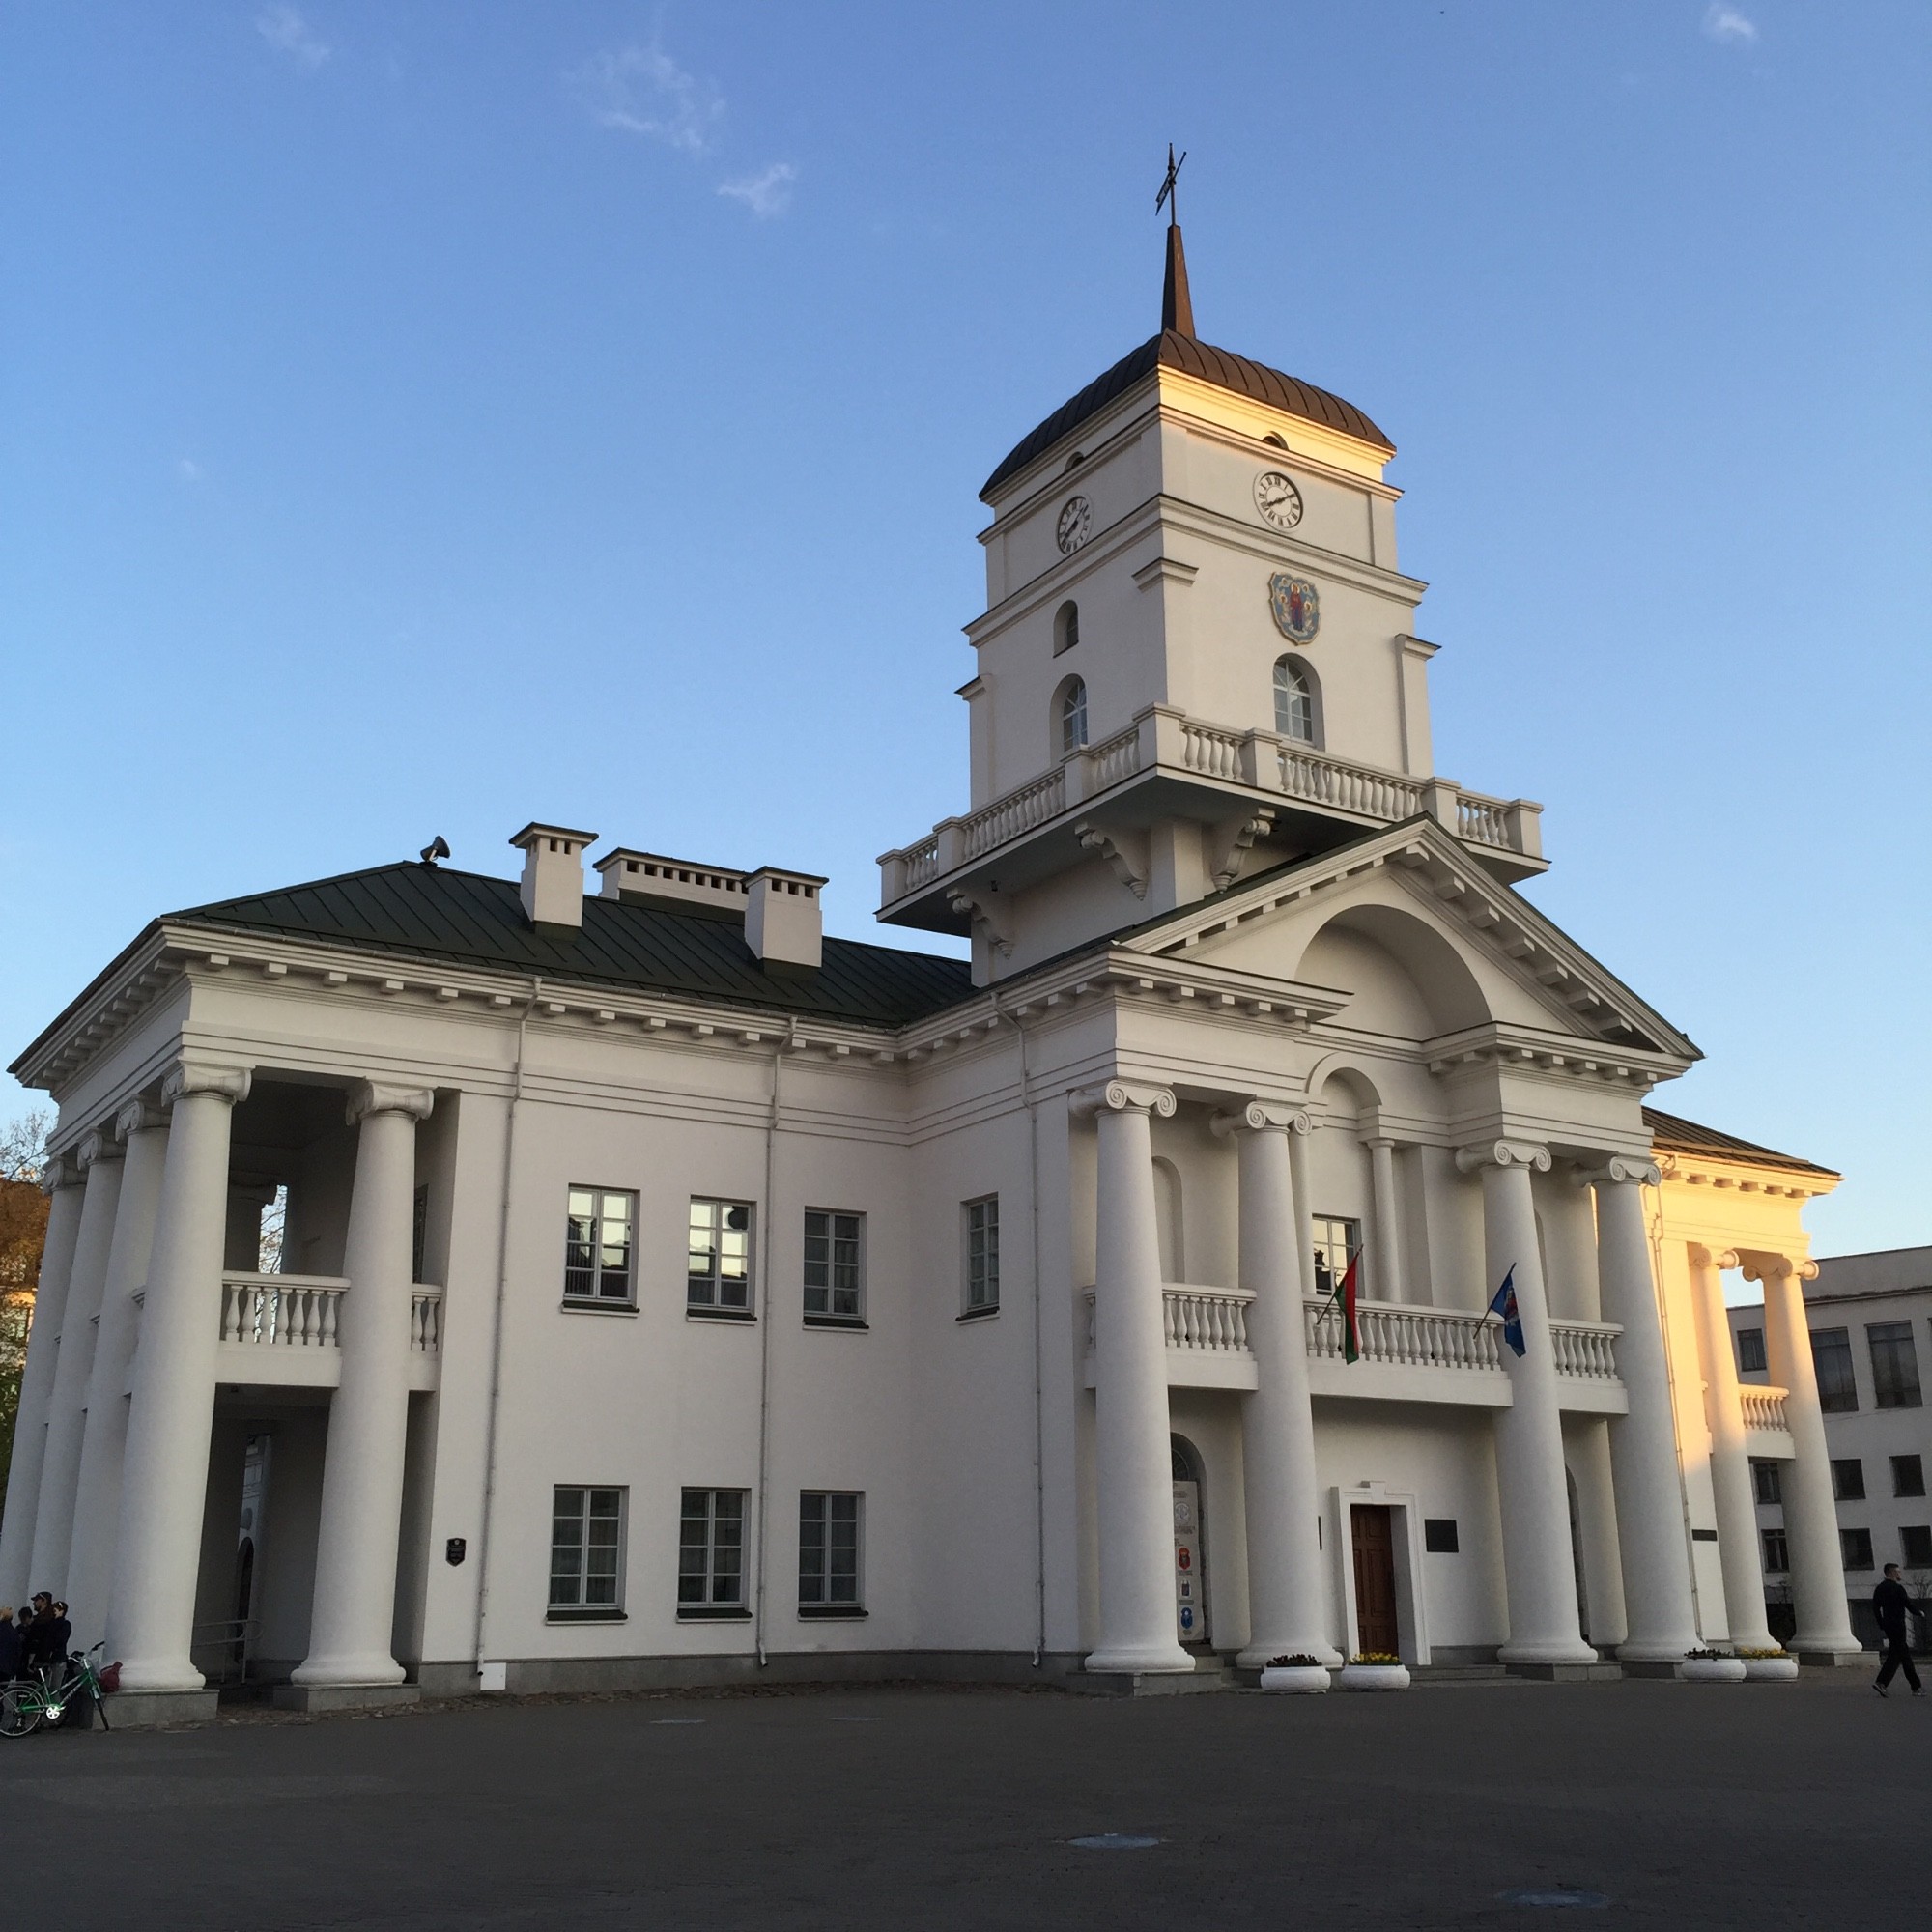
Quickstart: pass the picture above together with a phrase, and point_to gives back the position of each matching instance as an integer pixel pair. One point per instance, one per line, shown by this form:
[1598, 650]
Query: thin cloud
[288, 33]
[765, 193]
[643, 91]
[189, 470]
[1728, 27]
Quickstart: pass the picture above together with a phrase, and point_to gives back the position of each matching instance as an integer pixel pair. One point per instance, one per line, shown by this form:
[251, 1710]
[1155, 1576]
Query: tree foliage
[23, 1234]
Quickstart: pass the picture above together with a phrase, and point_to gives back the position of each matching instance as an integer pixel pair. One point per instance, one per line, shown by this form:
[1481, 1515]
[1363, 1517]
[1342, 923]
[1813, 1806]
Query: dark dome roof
[1172, 350]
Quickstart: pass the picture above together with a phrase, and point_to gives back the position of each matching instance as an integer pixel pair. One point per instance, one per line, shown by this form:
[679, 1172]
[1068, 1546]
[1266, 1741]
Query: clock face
[1278, 500]
[1075, 526]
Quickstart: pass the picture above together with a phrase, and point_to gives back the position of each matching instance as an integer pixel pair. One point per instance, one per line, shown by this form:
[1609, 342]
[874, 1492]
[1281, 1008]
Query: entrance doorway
[1190, 1548]
[1373, 1533]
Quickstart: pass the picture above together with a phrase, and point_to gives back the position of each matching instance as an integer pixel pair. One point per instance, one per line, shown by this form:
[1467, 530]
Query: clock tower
[1198, 659]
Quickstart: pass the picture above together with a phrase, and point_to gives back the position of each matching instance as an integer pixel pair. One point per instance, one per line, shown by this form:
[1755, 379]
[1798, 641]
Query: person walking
[1888, 1603]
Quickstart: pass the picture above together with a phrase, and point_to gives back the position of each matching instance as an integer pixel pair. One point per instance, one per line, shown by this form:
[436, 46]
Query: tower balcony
[1167, 765]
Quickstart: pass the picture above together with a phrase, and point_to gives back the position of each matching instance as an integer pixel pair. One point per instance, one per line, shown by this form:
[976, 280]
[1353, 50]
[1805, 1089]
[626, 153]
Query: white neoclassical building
[669, 1293]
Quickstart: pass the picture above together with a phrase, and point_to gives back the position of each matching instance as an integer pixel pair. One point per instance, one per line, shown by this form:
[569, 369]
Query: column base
[317, 1673]
[1559, 1649]
[151, 1710]
[1832, 1656]
[1136, 1659]
[344, 1697]
[162, 1675]
[1145, 1683]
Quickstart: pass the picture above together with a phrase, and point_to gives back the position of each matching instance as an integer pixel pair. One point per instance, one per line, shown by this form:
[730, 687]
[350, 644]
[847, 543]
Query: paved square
[1682, 1805]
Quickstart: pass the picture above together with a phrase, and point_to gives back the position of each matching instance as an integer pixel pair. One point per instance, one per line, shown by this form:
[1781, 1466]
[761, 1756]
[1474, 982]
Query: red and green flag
[1344, 1297]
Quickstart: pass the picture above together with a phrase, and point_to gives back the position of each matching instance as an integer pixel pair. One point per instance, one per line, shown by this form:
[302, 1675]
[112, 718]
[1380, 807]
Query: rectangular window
[1750, 1351]
[1915, 1547]
[1767, 1482]
[1337, 1242]
[983, 1255]
[587, 1555]
[720, 1277]
[1848, 1479]
[1857, 1546]
[1777, 1559]
[1907, 1476]
[1894, 1364]
[711, 1553]
[1831, 1358]
[828, 1552]
[597, 1246]
[834, 1265]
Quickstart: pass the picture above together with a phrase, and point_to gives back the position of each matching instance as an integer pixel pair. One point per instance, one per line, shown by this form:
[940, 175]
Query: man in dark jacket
[10, 1647]
[1889, 1602]
[45, 1646]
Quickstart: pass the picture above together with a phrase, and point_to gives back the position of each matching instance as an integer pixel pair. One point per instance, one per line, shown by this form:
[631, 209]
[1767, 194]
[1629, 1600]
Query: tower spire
[1177, 306]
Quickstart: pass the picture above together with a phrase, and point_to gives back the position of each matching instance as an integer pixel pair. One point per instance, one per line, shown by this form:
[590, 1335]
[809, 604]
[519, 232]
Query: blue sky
[422, 418]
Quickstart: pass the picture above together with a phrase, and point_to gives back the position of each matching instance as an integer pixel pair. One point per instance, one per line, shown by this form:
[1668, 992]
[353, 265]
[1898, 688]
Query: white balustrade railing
[1763, 1406]
[425, 1319]
[1400, 1336]
[1586, 1349]
[281, 1311]
[1324, 780]
[992, 825]
[1261, 760]
[1208, 1320]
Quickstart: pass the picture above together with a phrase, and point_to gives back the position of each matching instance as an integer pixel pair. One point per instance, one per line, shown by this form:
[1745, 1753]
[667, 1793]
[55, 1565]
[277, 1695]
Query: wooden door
[1374, 1530]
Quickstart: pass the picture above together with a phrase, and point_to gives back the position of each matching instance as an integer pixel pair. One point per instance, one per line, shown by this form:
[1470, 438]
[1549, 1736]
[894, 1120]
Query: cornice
[1700, 1170]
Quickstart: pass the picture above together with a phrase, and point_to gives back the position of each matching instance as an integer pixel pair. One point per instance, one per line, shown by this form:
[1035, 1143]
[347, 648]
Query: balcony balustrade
[1262, 761]
[281, 1311]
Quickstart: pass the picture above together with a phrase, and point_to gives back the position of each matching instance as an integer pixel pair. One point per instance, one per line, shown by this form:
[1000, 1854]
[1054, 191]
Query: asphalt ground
[1659, 1805]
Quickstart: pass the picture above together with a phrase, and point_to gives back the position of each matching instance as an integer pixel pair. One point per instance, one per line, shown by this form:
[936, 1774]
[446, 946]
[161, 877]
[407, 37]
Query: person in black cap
[1889, 1602]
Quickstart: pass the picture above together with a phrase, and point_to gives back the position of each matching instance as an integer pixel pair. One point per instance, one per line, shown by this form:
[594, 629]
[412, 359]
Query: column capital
[201, 1076]
[60, 1171]
[1619, 1169]
[137, 1117]
[1503, 1154]
[1123, 1096]
[1704, 1257]
[100, 1145]
[1766, 1267]
[1262, 1116]
[377, 1097]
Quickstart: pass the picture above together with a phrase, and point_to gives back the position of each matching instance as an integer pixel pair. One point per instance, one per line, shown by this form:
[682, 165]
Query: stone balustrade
[1763, 1406]
[1398, 1335]
[1263, 761]
[281, 1311]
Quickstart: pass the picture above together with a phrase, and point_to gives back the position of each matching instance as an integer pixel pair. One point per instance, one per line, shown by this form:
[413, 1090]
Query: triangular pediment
[1481, 956]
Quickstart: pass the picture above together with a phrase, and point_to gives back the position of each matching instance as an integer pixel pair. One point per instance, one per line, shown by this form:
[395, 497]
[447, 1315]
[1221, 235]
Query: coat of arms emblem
[1298, 610]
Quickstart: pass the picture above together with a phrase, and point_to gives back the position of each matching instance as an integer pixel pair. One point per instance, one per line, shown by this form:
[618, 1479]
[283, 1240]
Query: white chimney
[784, 923]
[652, 879]
[552, 883]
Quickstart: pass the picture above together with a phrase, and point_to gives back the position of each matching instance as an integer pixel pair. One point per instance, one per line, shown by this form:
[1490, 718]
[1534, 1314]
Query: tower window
[1065, 627]
[1293, 703]
[1072, 716]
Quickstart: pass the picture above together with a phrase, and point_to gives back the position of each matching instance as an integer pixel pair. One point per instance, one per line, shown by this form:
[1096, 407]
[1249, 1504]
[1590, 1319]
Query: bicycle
[25, 1706]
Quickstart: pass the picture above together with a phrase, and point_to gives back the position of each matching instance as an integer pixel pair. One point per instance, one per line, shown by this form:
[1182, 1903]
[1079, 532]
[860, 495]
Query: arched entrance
[1190, 1545]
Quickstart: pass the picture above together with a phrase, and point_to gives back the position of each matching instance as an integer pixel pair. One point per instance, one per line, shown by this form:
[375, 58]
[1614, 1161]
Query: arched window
[1065, 627]
[1293, 701]
[1072, 715]
[1272, 437]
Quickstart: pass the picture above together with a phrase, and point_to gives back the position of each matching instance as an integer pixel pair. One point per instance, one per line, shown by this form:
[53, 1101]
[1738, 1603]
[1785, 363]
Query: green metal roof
[467, 919]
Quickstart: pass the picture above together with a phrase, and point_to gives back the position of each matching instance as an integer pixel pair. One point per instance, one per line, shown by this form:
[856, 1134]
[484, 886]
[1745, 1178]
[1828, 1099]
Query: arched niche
[1407, 977]
[1167, 1214]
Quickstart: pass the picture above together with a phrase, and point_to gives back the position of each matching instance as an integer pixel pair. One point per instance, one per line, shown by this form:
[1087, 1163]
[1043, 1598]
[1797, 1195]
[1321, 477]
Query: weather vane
[1167, 198]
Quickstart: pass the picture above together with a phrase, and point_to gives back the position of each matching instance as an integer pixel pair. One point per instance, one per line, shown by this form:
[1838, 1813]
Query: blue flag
[1504, 1305]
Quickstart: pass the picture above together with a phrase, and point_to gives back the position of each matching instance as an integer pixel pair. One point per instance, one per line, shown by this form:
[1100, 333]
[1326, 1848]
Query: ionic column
[1731, 1491]
[1811, 1511]
[355, 1599]
[1659, 1604]
[164, 1476]
[64, 1187]
[1531, 1482]
[66, 1408]
[1133, 1452]
[1287, 1610]
[1385, 1269]
[143, 1132]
